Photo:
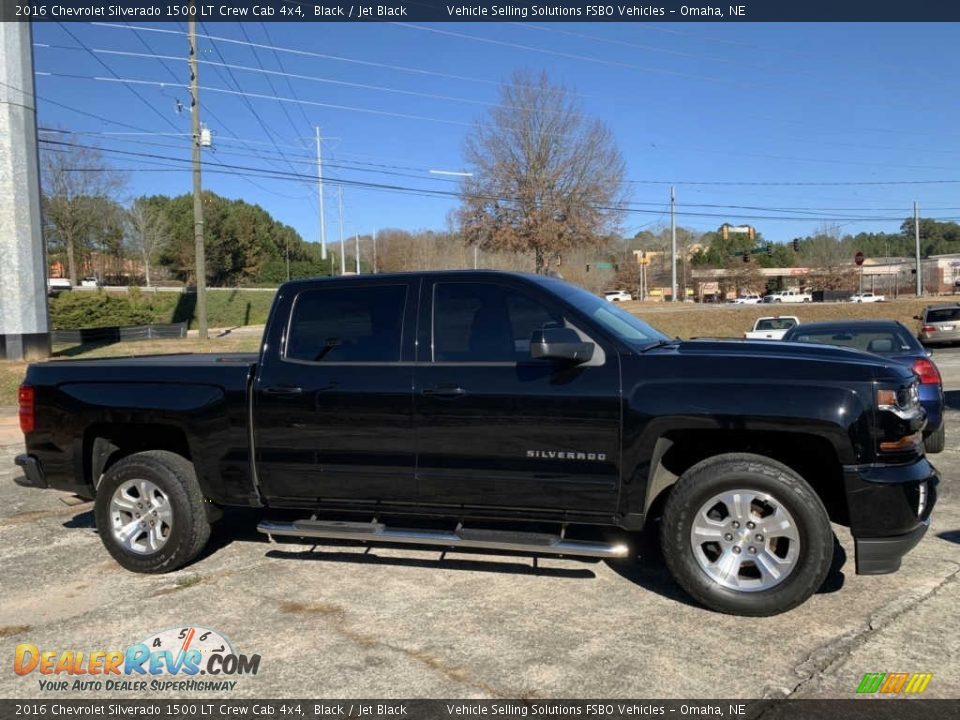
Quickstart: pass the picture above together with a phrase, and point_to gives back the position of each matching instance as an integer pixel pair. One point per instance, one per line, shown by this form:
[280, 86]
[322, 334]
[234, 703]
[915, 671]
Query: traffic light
[746, 257]
[588, 267]
[769, 249]
[796, 244]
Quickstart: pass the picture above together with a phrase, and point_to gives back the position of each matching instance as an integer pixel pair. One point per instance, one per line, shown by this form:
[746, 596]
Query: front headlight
[904, 403]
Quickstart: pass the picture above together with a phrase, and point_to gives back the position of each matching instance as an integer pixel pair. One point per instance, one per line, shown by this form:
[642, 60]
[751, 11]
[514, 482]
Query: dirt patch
[11, 630]
[432, 662]
[32, 515]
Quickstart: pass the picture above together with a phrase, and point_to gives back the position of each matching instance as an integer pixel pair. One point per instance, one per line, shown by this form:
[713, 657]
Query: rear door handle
[444, 391]
[283, 390]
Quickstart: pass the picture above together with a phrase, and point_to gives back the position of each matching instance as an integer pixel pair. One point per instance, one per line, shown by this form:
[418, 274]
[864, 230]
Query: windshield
[626, 327]
[943, 315]
[878, 341]
[775, 324]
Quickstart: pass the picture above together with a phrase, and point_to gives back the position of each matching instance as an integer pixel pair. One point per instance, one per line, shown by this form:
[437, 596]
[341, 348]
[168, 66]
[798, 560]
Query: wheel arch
[106, 444]
[811, 456]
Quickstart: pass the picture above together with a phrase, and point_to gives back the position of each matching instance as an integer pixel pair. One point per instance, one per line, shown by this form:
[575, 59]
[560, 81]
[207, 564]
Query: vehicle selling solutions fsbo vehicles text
[588, 11]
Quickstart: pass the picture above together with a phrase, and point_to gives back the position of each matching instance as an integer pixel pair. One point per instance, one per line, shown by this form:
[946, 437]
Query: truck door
[333, 407]
[497, 428]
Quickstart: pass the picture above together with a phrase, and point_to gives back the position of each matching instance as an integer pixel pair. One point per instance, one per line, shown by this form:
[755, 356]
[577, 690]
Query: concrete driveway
[340, 621]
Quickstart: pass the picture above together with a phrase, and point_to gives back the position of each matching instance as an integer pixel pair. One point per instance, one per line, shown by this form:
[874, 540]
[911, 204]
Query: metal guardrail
[105, 335]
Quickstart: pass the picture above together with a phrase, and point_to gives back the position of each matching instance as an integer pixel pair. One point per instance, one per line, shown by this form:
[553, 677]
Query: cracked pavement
[338, 621]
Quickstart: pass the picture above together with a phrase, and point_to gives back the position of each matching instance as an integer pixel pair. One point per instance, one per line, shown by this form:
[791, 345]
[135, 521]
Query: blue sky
[717, 104]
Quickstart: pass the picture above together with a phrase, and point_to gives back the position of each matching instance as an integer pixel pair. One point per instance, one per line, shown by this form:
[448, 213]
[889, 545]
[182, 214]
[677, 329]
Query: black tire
[936, 441]
[713, 476]
[189, 531]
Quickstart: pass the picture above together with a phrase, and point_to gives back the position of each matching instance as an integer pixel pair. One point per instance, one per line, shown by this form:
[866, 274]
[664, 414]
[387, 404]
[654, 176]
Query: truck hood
[776, 359]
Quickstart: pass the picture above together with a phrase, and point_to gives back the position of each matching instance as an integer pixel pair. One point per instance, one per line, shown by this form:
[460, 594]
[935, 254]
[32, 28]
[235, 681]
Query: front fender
[656, 410]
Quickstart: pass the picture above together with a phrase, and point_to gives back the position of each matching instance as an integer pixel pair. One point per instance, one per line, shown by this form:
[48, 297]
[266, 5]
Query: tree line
[544, 190]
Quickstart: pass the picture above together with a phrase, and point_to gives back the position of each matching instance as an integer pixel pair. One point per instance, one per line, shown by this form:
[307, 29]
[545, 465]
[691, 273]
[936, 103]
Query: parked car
[55, 286]
[788, 296]
[499, 411]
[894, 341]
[90, 282]
[617, 296]
[771, 327]
[748, 299]
[939, 324]
[867, 297]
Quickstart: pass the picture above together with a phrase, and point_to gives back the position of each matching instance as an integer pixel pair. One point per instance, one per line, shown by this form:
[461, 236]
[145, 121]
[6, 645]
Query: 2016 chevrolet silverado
[496, 411]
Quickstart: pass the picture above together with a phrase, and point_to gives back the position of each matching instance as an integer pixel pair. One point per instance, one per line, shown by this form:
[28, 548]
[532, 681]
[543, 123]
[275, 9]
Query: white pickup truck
[867, 297]
[771, 328]
[788, 296]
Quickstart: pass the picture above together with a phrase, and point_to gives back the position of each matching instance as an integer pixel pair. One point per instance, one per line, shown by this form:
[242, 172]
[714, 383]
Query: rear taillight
[929, 375]
[928, 329]
[26, 398]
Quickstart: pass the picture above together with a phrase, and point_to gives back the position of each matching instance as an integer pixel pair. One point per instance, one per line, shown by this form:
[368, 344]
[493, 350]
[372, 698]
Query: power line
[263, 96]
[267, 131]
[307, 123]
[451, 194]
[110, 70]
[313, 78]
[322, 56]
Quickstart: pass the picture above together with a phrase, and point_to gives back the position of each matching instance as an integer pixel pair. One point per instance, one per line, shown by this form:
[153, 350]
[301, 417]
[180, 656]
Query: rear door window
[357, 324]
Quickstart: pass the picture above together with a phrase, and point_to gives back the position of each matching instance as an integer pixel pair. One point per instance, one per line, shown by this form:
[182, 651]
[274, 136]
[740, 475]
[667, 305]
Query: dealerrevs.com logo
[894, 683]
[172, 660]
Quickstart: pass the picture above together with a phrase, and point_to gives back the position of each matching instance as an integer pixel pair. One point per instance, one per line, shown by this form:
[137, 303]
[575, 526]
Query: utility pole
[673, 244]
[356, 242]
[201, 269]
[24, 319]
[916, 238]
[343, 249]
[374, 252]
[323, 224]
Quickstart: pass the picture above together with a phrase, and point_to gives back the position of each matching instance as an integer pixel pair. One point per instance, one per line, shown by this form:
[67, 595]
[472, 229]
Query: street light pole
[343, 253]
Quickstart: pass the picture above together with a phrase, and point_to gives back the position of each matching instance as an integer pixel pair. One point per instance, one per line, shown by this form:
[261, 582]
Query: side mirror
[560, 343]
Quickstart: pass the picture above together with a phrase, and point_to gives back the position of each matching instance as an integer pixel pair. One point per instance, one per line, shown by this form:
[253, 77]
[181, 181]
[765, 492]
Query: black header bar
[737, 11]
[193, 708]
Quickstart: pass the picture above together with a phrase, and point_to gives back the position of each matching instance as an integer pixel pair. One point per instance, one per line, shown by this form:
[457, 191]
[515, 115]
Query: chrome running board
[514, 541]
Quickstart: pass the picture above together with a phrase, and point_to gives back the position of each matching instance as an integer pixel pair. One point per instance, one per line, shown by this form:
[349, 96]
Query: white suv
[617, 296]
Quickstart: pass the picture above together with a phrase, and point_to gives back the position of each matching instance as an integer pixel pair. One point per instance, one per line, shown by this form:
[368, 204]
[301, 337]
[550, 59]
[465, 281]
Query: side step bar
[544, 543]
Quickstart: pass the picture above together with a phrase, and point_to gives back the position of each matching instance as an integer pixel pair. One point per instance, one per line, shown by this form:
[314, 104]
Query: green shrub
[225, 308]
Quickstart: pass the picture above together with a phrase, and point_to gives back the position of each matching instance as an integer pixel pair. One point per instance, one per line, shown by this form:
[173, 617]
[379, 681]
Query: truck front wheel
[744, 534]
[150, 512]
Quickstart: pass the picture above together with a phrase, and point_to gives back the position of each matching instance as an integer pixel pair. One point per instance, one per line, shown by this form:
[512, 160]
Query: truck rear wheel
[150, 512]
[745, 535]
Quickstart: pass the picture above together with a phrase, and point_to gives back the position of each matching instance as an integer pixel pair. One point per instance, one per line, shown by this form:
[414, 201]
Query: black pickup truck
[498, 411]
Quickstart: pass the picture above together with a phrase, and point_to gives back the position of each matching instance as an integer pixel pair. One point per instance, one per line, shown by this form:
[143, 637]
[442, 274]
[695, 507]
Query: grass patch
[693, 320]
[11, 375]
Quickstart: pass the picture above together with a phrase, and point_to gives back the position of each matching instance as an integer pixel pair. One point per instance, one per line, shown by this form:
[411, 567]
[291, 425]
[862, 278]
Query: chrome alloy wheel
[745, 540]
[141, 517]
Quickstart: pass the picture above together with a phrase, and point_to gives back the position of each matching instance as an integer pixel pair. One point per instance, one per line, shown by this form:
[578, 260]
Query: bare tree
[75, 181]
[147, 230]
[829, 261]
[545, 179]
